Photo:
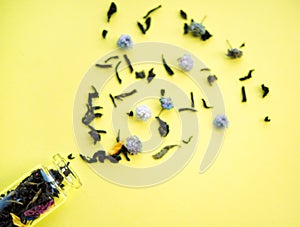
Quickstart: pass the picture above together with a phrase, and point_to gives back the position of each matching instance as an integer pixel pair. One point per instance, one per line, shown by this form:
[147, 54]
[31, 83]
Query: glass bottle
[37, 193]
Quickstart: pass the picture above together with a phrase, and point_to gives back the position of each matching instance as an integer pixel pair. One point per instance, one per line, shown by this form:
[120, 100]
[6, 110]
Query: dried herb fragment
[148, 23]
[186, 28]
[151, 75]
[244, 99]
[265, 89]
[113, 100]
[162, 92]
[104, 33]
[140, 75]
[187, 109]
[126, 94]
[192, 100]
[165, 150]
[163, 127]
[183, 14]
[187, 141]
[70, 156]
[151, 11]
[130, 114]
[206, 35]
[95, 134]
[234, 52]
[98, 156]
[248, 76]
[205, 69]
[110, 58]
[141, 27]
[118, 136]
[117, 73]
[267, 119]
[205, 105]
[211, 79]
[111, 11]
[168, 69]
[128, 63]
[104, 66]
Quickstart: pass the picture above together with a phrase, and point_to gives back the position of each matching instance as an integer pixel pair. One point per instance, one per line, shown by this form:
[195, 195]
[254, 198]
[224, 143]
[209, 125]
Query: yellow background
[47, 46]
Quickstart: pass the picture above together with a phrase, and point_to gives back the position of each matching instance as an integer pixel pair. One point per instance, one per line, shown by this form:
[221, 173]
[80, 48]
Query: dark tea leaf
[163, 127]
[111, 11]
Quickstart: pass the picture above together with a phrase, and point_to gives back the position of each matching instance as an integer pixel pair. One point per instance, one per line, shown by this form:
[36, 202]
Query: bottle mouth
[66, 171]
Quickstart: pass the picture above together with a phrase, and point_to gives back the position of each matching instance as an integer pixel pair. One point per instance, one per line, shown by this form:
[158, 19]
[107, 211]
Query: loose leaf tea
[163, 127]
[104, 65]
[248, 76]
[117, 73]
[110, 58]
[186, 28]
[111, 11]
[151, 75]
[151, 11]
[98, 156]
[126, 94]
[187, 141]
[113, 100]
[141, 27]
[104, 33]
[265, 89]
[192, 100]
[162, 92]
[244, 99]
[168, 69]
[95, 134]
[130, 114]
[34, 196]
[140, 75]
[148, 23]
[183, 14]
[70, 156]
[211, 79]
[128, 63]
[267, 119]
[187, 109]
[165, 150]
[204, 69]
[205, 105]
[234, 52]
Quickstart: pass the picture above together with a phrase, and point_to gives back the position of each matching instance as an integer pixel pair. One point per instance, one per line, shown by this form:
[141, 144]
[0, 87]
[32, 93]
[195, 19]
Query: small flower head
[166, 103]
[125, 42]
[186, 62]
[234, 53]
[221, 121]
[133, 144]
[143, 113]
[197, 29]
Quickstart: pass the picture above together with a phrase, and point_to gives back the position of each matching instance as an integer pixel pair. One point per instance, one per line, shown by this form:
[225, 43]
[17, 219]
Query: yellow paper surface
[47, 47]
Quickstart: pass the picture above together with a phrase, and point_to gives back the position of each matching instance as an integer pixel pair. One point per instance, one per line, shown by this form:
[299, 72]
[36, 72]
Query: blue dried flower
[133, 144]
[197, 29]
[186, 62]
[125, 42]
[143, 112]
[221, 121]
[166, 103]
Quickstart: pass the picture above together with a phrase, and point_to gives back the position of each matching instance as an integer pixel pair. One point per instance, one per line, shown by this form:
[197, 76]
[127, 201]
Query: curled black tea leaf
[117, 73]
[163, 127]
[98, 156]
[206, 35]
[205, 69]
[104, 65]
[244, 97]
[267, 119]
[211, 79]
[104, 33]
[187, 109]
[126, 94]
[248, 76]
[186, 28]
[187, 141]
[165, 150]
[168, 69]
[128, 63]
[151, 11]
[70, 156]
[130, 114]
[151, 75]
[183, 14]
[265, 89]
[140, 75]
[111, 11]
[192, 100]
[113, 100]
[205, 105]
[141, 27]
[162, 92]
[110, 58]
[148, 23]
